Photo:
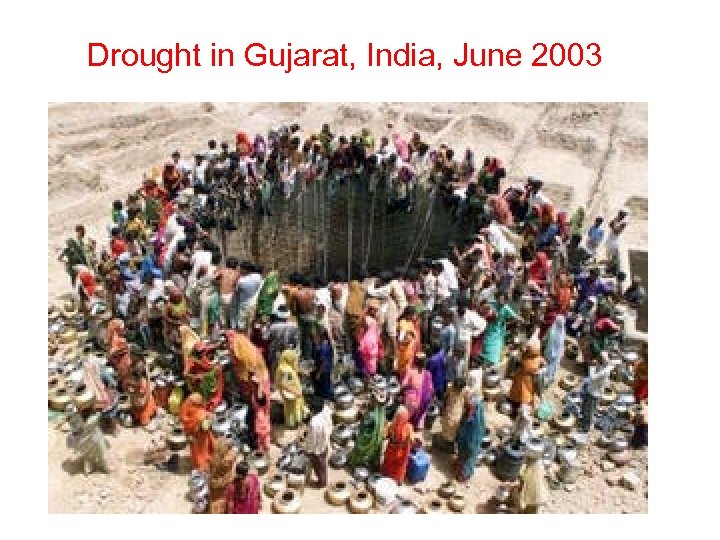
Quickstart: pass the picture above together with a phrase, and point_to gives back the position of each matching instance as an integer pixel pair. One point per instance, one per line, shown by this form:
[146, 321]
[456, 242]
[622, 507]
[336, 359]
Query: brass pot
[569, 381]
[287, 501]
[275, 485]
[446, 490]
[457, 503]
[259, 462]
[338, 493]
[55, 382]
[60, 399]
[492, 394]
[360, 502]
[83, 396]
[176, 440]
[564, 422]
[608, 397]
[346, 416]
[124, 404]
[435, 506]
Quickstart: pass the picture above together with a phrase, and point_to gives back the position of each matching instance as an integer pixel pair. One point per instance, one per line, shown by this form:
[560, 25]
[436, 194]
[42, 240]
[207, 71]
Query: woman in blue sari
[469, 436]
[321, 376]
[496, 329]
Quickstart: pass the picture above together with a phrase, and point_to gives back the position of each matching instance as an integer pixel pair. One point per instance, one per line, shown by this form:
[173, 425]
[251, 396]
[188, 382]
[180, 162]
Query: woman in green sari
[577, 225]
[367, 451]
[496, 330]
[268, 293]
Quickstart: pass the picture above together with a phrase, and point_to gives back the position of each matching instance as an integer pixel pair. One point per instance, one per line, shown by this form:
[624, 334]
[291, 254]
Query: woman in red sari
[119, 351]
[538, 272]
[242, 495]
[400, 440]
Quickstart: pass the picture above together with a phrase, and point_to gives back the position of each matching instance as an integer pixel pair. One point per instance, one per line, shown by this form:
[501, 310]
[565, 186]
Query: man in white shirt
[469, 325]
[317, 441]
[449, 273]
[593, 388]
[198, 171]
[442, 288]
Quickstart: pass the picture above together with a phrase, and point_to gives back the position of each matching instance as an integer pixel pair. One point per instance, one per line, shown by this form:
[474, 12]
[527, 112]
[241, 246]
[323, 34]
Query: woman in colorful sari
[200, 373]
[243, 495]
[437, 366]
[562, 292]
[453, 409]
[254, 381]
[368, 338]
[495, 331]
[196, 422]
[640, 388]
[554, 349]
[287, 381]
[418, 386]
[369, 443]
[141, 395]
[469, 436]
[400, 440]
[538, 272]
[119, 351]
[408, 341]
[401, 146]
[522, 391]
[354, 307]
[322, 371]
[176, 314]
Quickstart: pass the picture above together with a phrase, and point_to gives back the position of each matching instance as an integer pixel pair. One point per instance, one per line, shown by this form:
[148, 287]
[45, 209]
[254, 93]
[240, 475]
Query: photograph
[364, 308]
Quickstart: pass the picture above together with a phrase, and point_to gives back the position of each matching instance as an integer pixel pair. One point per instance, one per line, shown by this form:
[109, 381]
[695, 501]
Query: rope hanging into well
[350, 229]
[419, 236]
[370, 229]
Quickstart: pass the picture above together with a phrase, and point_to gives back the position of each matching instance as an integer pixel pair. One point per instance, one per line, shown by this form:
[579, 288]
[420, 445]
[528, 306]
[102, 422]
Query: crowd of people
[160, 282]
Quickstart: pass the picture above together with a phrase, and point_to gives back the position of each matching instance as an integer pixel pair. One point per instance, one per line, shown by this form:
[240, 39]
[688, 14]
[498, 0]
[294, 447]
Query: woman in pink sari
[369, 344]
[242, 496]
[419, 390]
[401, 147]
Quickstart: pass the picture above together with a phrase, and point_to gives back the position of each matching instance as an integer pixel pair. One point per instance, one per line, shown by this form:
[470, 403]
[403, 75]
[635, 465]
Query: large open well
[319, 231]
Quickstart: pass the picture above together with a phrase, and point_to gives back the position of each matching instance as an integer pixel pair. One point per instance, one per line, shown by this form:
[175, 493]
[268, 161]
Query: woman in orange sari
[400, 439]
[141, 395]
[118, 351]
[196, 423]
[522, 391]
[408, 341]
[254, 381]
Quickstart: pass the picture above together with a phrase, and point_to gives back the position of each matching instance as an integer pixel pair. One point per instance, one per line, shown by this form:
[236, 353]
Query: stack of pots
[510, 461]
[199, 492]
[491, 384]
[345, 410]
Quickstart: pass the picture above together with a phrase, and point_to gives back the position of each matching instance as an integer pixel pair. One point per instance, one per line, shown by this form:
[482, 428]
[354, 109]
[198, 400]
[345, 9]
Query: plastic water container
[418, 466]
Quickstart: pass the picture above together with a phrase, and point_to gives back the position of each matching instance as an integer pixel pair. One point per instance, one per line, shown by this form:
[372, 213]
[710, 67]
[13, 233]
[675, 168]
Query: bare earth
[591, 154]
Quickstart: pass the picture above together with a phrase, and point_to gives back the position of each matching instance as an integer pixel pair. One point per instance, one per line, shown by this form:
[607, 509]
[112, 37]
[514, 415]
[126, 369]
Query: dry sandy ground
[591, 154]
